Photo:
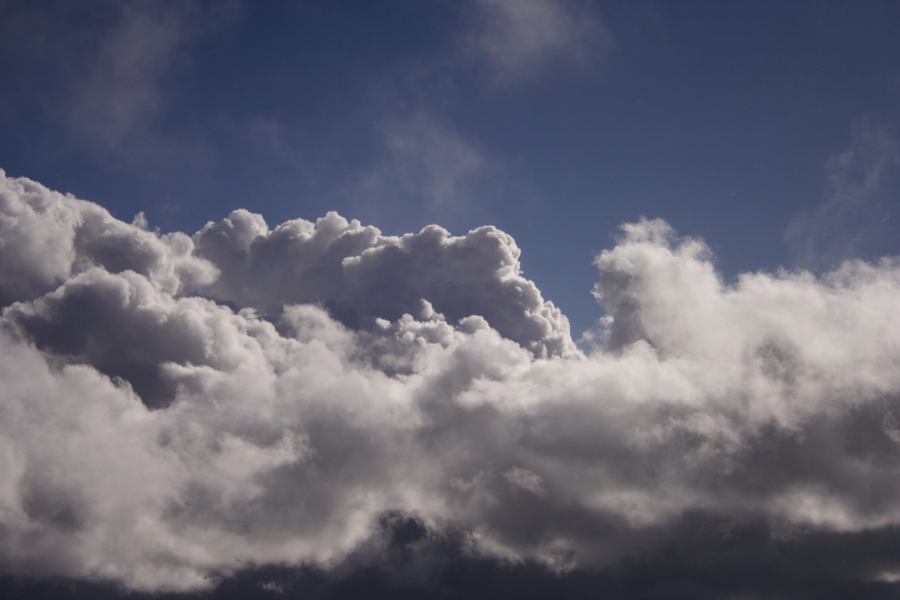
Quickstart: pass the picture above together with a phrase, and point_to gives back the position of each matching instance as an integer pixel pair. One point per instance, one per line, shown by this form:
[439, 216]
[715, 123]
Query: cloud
[518, 42]
[46, 238]
[174, 409]
[361, 275]
[856, 217]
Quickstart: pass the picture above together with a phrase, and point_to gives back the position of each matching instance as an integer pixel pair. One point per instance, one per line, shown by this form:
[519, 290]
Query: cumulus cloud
[175, 408]
[361, 275]
[518, 42]
[46, 238]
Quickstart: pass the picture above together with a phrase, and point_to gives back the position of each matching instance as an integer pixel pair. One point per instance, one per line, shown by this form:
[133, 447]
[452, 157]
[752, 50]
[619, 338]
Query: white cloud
[360, 274]
[157, 438]
[46, 238]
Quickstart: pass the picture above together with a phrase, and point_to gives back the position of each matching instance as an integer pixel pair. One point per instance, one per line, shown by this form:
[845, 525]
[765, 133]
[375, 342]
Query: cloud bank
[175, 408]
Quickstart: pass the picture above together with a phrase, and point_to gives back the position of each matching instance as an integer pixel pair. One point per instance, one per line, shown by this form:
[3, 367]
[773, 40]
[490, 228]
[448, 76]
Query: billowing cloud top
[360, 275]
[174, 408]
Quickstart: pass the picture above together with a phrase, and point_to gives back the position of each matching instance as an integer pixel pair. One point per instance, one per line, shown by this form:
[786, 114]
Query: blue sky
[767, 128]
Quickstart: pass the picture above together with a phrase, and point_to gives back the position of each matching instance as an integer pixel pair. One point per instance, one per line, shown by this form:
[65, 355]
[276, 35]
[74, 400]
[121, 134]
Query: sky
[556, 122]
[547, 298]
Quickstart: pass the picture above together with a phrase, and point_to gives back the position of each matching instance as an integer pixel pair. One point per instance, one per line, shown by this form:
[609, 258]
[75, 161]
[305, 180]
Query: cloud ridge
[176, 407]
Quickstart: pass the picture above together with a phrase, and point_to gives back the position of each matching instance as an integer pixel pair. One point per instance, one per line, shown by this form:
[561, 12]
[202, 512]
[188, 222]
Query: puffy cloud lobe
[239, 469]
[360, 274]
[160, 439]
[46, 238]
[126, 327]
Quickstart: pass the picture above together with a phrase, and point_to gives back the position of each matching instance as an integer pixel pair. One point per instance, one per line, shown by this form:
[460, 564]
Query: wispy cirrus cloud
[111, 69]
[423, 163]
[518, 42]
[859, 211]
[119, 91]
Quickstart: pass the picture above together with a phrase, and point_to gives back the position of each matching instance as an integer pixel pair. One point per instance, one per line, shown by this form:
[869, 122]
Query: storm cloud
[178, 408]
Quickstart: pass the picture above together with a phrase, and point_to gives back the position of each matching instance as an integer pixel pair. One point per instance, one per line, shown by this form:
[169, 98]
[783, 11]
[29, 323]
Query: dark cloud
[318, 408]
[703, 556]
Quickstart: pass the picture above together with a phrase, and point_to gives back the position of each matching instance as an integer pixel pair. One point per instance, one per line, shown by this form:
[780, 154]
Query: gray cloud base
[174, 408]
